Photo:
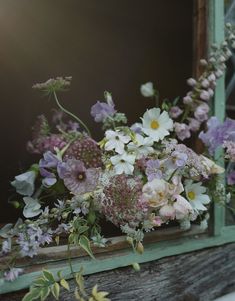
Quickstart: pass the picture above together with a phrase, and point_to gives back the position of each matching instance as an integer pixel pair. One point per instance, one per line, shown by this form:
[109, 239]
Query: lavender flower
[182, 130]
[194, 124]
[201, 112]
[153, 170]
[175, 112]
[31, 238]
[78, 179]
[101, 110]
[12, 274]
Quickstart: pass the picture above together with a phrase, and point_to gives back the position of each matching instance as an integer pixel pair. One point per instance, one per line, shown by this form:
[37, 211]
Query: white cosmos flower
[147, 89]
[142, 146]
[123, 163]
[195, 194]
[156, 124]
[116, 141]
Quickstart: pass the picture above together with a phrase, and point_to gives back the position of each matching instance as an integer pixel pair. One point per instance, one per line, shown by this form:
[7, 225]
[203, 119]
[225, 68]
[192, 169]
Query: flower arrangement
[137, 177]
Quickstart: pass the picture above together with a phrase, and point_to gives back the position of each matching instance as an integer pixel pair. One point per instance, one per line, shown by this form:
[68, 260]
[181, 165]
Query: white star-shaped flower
[142, 146]
[123, 163]
[116, 141]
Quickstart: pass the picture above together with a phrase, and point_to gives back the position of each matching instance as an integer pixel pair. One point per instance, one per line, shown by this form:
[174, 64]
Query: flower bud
[187, 100]
[136, 266]
[204, 95]
[219, 73]
[191, 82]
[147, 89]
[211, 77]
[140, 248]
[205, 83]
[203, 62]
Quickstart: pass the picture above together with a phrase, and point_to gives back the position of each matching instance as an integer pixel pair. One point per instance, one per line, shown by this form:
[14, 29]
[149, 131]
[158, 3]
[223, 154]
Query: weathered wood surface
[196, 276]
[59, 253]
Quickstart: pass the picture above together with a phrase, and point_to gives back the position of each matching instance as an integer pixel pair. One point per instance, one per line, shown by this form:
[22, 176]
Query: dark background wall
[105, 45]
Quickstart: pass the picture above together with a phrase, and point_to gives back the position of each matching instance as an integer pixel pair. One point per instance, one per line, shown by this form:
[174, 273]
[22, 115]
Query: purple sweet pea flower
[217, 133]
[101, 110]
[153, 170]
[51, 161]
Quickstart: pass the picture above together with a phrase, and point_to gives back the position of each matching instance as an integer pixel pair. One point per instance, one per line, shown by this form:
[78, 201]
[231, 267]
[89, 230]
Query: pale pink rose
[167, 211]
[182, 207]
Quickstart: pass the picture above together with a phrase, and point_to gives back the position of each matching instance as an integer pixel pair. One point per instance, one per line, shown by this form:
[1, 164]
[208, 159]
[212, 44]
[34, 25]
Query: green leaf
[33, 294]
[55, 289]
[48, 275]
[40, 282]
[45, 291]
[82, 229]
[85, 244]
[64, 284]
[59, 274]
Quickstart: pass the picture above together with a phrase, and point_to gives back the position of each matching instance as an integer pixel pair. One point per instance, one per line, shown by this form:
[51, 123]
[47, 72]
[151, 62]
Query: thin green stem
[71, 114]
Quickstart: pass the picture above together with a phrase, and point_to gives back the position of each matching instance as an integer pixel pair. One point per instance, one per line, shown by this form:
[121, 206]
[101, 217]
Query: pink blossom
[167, 211]
[182, 207]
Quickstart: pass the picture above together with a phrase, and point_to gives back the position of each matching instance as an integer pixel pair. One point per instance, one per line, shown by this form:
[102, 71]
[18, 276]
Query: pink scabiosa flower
[78, 179]
[121, 201]
[182, 131]
[85, 149]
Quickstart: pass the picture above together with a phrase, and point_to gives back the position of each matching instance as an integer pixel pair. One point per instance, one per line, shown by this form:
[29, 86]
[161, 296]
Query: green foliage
[85, 244]
[45, 285]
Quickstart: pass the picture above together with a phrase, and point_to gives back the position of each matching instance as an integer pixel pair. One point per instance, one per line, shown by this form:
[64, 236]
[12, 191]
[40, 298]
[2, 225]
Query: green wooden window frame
[174, 243]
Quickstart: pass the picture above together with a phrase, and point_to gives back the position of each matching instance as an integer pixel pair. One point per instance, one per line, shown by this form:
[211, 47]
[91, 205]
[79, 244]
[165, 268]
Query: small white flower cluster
[130, 146]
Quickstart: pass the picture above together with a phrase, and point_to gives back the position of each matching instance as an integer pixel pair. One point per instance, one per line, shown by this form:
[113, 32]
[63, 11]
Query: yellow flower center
[154, 124]
[191, 195]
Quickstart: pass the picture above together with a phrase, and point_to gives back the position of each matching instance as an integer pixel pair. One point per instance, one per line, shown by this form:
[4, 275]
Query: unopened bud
[191, 82]
[140, 248]
[136, 266]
